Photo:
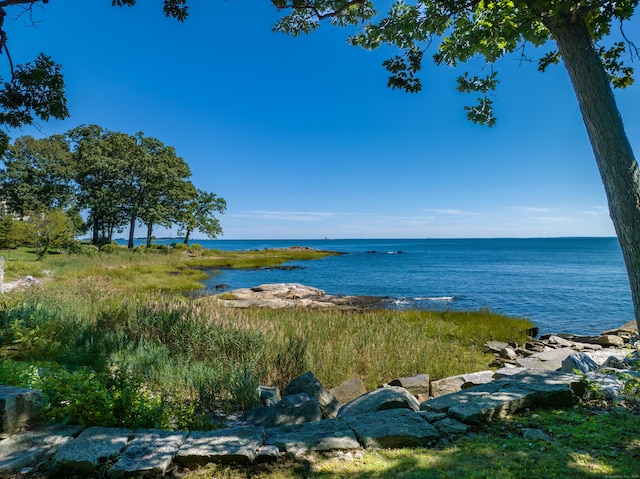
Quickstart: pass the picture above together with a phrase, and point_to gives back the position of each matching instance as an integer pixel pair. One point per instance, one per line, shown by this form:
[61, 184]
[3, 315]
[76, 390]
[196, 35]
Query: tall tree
[101, 166]
[37, 175]
[160, 185]
[198, 214]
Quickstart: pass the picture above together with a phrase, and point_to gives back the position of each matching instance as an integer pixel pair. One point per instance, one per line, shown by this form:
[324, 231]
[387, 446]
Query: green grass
[584, 443]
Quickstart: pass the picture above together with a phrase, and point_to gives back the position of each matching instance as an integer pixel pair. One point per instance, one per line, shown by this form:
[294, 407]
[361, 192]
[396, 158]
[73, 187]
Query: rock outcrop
[292, 295]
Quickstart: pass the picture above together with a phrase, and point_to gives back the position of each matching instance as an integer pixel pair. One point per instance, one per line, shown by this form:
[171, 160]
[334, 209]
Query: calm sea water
[571, 285]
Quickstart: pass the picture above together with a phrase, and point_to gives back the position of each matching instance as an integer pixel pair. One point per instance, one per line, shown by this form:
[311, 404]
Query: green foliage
[35, 90]
[11, 234]
[52, 229]
[111, 248]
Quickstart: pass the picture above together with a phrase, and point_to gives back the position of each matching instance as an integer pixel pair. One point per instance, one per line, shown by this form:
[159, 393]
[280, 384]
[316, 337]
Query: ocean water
[564, 285]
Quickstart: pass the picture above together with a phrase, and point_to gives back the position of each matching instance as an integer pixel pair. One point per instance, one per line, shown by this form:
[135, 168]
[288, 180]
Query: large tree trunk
[149, 234]
[618, 167]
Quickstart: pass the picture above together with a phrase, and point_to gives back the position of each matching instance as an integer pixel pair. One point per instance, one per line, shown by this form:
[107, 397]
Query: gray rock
[308, 383]
[495, 346]
[392, 397]
[269, 395]
[150, 452]
[508, 353]
[416, 385]
[257, 416]
[20, 408]
[450, 427]
[30, 448]
[581, 362]
[550, 359]
[393, 428]
[602, 340]
[507, 372]
[89, 451]
[349, 390]
[293, 409]
[592, 360]
[234, 445]
[553, 339]
[503, 397]
[330, 434]
[454, 384]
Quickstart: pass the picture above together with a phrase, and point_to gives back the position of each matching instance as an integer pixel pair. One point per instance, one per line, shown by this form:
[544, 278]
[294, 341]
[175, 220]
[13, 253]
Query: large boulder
[20, 408]
[591, 360]
[380, 399]
[311, 385]
[293, 409]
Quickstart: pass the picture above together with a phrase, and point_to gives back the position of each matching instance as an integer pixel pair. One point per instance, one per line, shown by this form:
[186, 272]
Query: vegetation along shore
[112, 340]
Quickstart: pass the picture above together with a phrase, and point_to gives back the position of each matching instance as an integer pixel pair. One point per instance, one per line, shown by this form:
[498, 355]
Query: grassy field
[113, 340]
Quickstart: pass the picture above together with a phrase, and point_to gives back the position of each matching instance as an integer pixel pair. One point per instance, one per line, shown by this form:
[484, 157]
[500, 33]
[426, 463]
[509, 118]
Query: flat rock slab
[93, 448]
[150, 452]
[391, 397]
[504, 397]
[28, 449]
[393, 428]
[550, 360]
[330, 434]
[234, 445]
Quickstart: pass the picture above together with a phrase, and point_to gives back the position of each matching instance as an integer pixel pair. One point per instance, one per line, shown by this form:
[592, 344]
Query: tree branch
[296, 5]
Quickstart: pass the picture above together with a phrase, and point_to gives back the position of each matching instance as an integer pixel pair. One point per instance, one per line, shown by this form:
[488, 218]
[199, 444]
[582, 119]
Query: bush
[84, 249]
[196, 247]
[180, 246]
[111, 248]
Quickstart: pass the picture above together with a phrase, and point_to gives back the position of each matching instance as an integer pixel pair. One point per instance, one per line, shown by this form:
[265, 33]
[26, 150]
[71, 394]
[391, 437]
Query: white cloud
[285, 215]
[452, 212]
[596, 211]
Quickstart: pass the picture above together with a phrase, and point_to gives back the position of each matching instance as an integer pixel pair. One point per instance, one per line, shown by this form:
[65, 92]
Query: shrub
[180, 246]
[111, 248]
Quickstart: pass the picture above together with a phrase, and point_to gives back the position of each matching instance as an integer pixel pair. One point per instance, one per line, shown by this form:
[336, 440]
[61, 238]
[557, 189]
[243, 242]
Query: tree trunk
[149, 233]
[132, 229]
[614, 156]
[186, 236]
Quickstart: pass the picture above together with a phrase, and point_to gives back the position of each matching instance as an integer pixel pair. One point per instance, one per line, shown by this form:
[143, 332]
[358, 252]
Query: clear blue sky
[303, 138]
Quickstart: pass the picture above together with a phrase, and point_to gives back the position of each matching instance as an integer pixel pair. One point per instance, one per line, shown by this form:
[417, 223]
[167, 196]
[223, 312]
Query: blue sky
[303, 138]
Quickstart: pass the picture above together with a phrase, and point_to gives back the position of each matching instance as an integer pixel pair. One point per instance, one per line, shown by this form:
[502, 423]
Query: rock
[292, 295]
[330, 434]
[256, 416]
[91, 450]
[507, 372]
[269, 395]
[293, 409]
[549, 360]
[309, 384]
[20, 408]
[553, 339]
[591, 360]
[416, 385]
[393, 428]
[149, 453]
[450, 427]
[508, 353]
[234, 445]
[349, 390]
[457, 383]
[495, 346]
[503, 397]
[535, 435]
[602, 340]
[30, 448]
[391, 397]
